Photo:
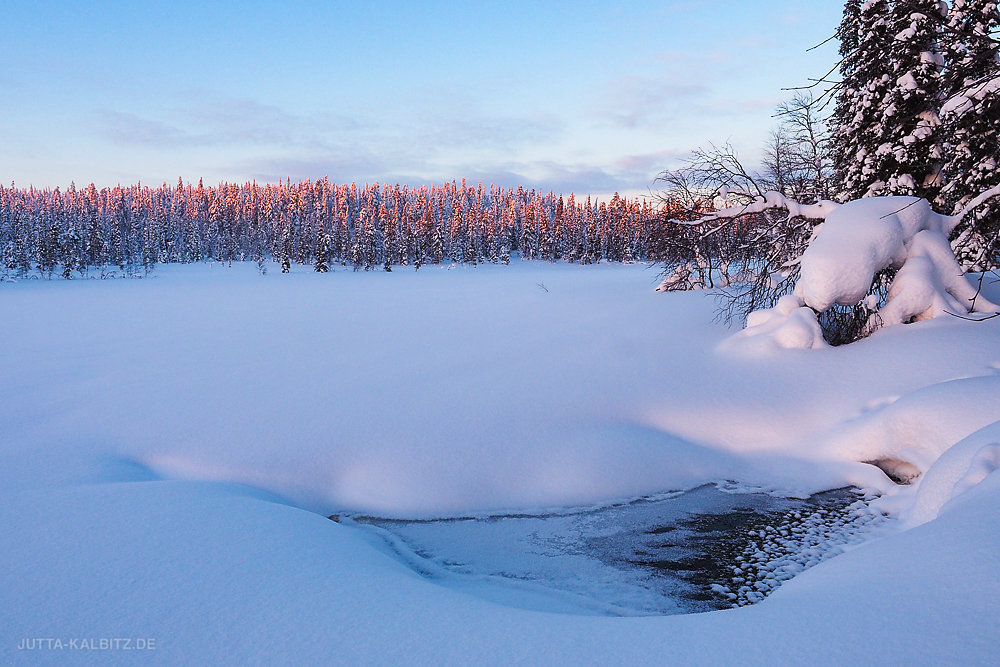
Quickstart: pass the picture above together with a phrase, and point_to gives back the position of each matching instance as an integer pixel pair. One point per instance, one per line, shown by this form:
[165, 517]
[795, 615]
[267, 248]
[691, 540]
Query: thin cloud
[128, 129]
[339, 166]
[463, 123]
[231, 123]
[635, 101]
[413, 132]
[10, 83]
[542, 176]
[647, 162]
[563, 178]
[250, 123]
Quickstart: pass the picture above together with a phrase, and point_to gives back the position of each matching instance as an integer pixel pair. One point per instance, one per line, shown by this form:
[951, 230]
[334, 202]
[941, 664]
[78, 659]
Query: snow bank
[920, 426]
[959, 468]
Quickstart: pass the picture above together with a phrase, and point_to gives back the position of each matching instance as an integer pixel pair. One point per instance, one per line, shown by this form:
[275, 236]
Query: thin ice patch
[705, 549]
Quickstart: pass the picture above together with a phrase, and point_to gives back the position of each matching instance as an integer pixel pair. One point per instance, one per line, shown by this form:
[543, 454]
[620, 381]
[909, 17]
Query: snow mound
[858, 240]
[790, 325]
[921, 426]
[960, 468]
[929, 284]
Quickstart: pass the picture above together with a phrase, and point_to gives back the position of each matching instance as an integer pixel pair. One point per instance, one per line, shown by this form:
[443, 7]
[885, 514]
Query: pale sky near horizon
[585, 97]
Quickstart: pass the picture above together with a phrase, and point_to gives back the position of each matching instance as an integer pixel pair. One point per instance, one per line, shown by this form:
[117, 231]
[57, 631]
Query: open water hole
[712, 547]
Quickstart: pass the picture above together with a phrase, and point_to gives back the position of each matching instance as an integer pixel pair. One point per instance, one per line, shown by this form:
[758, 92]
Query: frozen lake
[712, 547]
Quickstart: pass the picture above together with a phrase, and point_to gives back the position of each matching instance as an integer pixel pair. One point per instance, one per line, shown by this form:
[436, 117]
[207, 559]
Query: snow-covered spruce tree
[858, 115]
[971, 116]
[72, 250]
[848, 112]
[321, 261]
[405, 240]
[286, 246]
[387, 223]
[505, 250]
[907, 158]
[48, 246]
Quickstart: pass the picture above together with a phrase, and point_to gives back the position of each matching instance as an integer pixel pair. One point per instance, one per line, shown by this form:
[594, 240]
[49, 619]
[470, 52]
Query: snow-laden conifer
[907, 153]
[866, 84]
[971, 116]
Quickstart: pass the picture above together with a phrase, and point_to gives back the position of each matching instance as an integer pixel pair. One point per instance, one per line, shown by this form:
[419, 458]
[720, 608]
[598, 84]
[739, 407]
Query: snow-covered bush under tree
[851, 246]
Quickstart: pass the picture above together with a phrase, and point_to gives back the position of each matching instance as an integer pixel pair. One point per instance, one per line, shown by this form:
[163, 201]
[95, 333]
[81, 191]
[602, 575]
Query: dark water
[709, 548]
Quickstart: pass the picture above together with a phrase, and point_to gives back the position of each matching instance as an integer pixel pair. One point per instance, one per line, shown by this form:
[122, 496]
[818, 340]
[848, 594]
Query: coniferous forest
[125, 231]
[913, 109]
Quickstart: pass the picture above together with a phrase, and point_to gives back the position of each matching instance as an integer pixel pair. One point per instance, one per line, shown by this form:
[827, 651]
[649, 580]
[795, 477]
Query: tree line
[129, 230]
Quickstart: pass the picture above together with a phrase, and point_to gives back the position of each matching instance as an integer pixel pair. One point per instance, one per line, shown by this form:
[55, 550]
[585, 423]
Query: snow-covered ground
[170, 448]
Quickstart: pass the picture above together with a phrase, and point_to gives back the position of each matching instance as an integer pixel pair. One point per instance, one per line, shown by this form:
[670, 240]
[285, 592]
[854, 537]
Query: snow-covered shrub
[856, 247]
[748, 256]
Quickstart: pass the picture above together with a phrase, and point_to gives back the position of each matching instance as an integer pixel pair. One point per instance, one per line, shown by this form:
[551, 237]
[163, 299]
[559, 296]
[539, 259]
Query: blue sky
[589, 97]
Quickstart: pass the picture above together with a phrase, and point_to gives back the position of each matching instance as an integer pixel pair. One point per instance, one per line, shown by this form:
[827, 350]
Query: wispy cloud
[464, 122]
[636, 101]
[406, 138]
[647, 163]
[559, 178]
[250, 123]
[416, 141]
[213, 123]
[629, 173]
[10, 83]
[132, 130]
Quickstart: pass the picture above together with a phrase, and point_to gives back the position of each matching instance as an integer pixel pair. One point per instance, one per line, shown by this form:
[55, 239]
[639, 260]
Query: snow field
[169, 448]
